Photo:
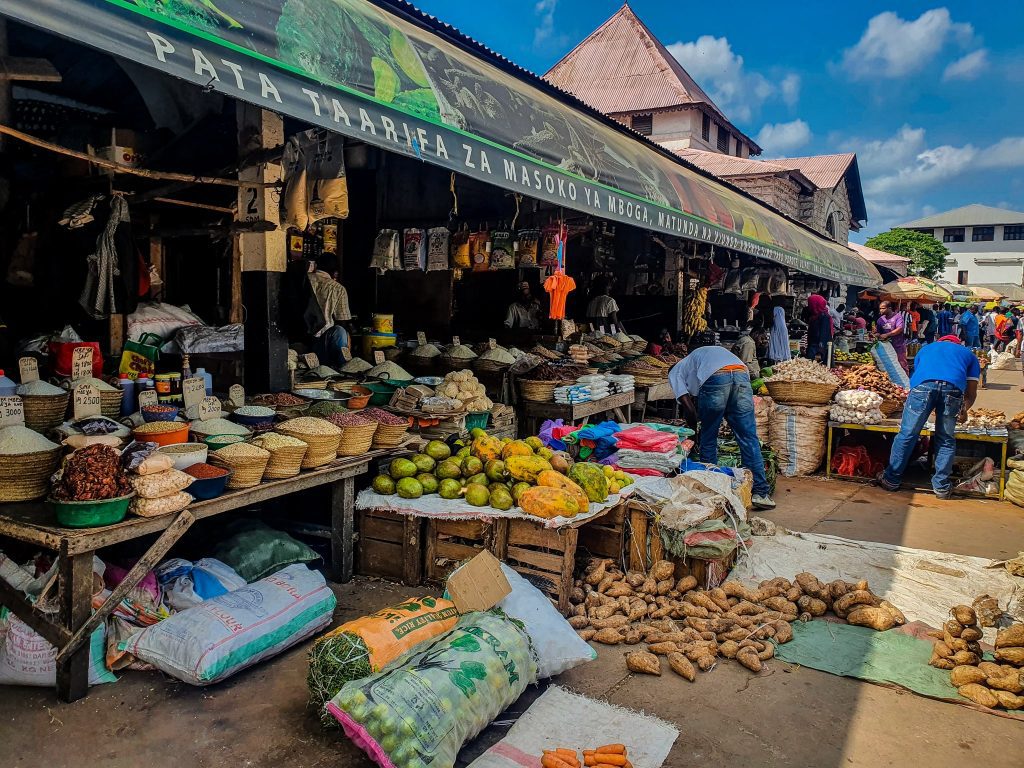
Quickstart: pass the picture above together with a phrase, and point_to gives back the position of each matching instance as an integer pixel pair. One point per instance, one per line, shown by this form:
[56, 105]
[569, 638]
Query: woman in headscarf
[778, 341]
[819, 327]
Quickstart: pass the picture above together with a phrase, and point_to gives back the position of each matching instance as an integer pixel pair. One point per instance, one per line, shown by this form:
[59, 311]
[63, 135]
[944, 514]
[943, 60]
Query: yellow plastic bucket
[384, 323]
[373, 341]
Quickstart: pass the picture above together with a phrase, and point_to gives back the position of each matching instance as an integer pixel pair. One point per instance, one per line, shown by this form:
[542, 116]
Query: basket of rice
[246, 461]
[390, 372]
[27, 459]
[286, 455]
[110, 396]
[218, 426]
[357, 433]
[44, 404]
[391, 429]
[492, 360]
[320, 435]
[456, 357]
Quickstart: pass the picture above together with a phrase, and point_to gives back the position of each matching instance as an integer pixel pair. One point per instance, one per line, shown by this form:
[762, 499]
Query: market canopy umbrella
[929, 285]
[901, 290]
[985, 294]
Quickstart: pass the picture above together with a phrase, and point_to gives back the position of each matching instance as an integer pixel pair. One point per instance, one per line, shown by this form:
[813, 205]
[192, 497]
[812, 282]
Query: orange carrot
[554, 761]
[604, 765]
[611, 749]
[611, 759]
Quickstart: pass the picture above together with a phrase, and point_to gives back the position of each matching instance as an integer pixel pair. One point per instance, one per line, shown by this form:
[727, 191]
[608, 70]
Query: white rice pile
[19, 440]
[390, 370]
[39, 387]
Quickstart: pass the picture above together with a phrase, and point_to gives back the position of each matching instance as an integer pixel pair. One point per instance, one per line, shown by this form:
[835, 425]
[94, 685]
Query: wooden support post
[569, 538]
[412, 566]
[343, 525]
[117, 331]
[237, 313]
[499, 544]
[75, 609]
[638, 539]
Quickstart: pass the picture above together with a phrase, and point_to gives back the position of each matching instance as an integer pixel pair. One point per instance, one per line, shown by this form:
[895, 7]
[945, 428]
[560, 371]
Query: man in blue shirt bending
[970, 328]
[945, 382]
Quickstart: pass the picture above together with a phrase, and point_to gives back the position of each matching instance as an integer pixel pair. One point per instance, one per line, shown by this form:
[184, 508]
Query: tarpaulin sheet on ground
[363, 71]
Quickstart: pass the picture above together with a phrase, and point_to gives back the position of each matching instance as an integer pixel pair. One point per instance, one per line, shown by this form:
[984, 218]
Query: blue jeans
[328, 346]
[972, 342]
[945, 400]
[728, 395]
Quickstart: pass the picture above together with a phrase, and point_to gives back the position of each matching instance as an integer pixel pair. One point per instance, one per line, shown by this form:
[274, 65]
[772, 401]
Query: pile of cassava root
[690, 626]
[986, 683]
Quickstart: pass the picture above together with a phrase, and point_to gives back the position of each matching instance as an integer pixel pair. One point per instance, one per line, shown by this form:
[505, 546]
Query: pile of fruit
[502, 474]
[690, 626]
[853, 357]
[985, 418]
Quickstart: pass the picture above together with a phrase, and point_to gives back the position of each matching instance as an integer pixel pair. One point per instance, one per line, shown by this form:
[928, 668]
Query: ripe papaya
[486, 448]
[551, 478]
[590, 477]
[516, 448]
[526, 467]
[546, 502]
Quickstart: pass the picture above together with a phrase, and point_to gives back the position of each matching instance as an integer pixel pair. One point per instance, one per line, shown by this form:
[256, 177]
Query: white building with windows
[986, 245]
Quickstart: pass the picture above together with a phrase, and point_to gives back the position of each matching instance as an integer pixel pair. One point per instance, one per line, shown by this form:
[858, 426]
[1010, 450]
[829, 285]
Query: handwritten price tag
[237, 395]
[614, 329]
[492, 343]
[148, 397]
[421, 338]
[346, 354]
[193, 390]
[209, 407]
[601, 329]
[378, 357]
[12, 411]
[87, 401]
[311, 360]
[456, 341]
[28, 369]
[81, 363]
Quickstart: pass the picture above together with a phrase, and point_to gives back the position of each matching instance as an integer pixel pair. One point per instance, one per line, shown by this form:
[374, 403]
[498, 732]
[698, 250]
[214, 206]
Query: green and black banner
[352, 67]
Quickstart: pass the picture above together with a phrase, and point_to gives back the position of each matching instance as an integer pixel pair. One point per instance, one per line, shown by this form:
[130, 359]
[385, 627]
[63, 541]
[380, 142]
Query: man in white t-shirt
[602, 309]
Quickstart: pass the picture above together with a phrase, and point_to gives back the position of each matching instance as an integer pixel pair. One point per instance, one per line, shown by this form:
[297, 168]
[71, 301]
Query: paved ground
[787, 716]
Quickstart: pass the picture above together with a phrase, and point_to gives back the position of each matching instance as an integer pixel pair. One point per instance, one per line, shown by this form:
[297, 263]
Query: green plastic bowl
[91, 514]
[382, 392]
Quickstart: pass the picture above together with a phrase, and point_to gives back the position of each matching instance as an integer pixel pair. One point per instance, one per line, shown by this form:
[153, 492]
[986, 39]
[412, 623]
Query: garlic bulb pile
[800, 369]
[856, 406]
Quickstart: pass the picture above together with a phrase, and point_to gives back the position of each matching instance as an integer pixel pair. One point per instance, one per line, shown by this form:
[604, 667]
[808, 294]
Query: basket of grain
[537, 391]
[27, 459]
[357, 433]
[801, 392]
[286, 455]
[45, 405]
[246, 461]
[110, 397]
[391, 428]
[320, 435]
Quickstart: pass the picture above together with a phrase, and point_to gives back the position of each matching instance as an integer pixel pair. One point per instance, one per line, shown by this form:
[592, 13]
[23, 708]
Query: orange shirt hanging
[559, 285]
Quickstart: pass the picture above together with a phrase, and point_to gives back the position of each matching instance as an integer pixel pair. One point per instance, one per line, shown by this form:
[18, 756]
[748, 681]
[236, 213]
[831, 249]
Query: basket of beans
[151, 413]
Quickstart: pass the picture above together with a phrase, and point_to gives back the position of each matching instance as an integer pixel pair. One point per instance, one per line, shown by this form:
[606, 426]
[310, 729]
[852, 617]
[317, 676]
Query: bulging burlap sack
[797, 434]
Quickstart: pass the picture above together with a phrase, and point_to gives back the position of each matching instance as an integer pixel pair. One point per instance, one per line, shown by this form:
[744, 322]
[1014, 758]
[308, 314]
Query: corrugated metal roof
[876, 256]
[826, 171]
[726, 166]
[968, 216]
[622, 67]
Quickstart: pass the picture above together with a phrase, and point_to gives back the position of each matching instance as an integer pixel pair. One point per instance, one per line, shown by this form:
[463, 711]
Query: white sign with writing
[421, 338]
[12, 411]
[209, 408]
[378, 357]
[456, 341]
[87, 401]
[148, 397]
[311, 360]
[28, 369]
[81, 362]
[193, 390]
[614, 329]
[237, 395]
[492, 343]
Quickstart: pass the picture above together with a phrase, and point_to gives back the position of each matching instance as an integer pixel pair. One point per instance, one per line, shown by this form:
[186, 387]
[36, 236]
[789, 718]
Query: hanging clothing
[111, 285]
[778, 341]
[559, 286]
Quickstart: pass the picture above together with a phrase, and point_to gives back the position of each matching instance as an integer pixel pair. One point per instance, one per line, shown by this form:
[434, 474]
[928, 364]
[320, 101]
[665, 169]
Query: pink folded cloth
[641, 438]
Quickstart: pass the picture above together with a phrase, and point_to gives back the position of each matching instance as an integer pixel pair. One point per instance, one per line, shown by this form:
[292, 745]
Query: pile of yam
[693, 628]
[990, 684]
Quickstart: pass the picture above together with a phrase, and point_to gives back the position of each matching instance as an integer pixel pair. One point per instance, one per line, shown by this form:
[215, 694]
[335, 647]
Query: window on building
[723, 139]
[953, 235]
[705, 128]
[961, 277]
[739, 148]
[830, 225]
[983, 234]
[643, 124]
[1013, 232]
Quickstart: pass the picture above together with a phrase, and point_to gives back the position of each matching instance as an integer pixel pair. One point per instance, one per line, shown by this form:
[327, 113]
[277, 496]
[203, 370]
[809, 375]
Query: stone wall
[780, 192]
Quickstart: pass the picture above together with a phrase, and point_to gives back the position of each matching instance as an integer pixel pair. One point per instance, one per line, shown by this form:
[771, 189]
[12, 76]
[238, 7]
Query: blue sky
[929, 96]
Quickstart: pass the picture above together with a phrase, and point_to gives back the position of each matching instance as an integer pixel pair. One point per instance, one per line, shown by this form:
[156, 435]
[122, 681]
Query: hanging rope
[455, 198]
[519, 199]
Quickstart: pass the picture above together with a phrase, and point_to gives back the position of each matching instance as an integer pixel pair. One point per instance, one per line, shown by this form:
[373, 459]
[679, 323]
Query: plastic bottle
[207, 377]
[128, 402]
[143, 383]
[7, 386]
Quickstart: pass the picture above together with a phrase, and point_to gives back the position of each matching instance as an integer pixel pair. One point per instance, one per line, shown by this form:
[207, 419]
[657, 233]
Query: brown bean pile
[383, 417]
[92, 474]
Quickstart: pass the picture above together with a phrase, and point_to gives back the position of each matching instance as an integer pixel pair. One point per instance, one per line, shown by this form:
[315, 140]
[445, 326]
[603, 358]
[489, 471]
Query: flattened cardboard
[479, 585]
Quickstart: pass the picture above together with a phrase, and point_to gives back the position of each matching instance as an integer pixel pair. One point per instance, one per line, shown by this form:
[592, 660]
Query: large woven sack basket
[389, 435]
[245, 472]
[537, 391]
[357, 439]
[323, 449]
[27, 476]
[801, 392]
[284, 462]
[45, 412]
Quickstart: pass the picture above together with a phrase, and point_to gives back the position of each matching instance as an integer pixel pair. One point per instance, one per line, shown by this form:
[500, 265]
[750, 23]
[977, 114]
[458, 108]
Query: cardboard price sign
[311, 360]
[28, 369]
[456, 341]
[148, 397]
[237, 395]
[378, 357]
[209, 407]
[12, 411]
[81, 363]
[87, 401]
[421, 338]
[492, 343]
[193, 390]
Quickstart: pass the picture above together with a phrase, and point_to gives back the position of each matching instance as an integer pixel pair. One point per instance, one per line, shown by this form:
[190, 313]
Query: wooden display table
[892, 427]
[534, 412]
[34, 523]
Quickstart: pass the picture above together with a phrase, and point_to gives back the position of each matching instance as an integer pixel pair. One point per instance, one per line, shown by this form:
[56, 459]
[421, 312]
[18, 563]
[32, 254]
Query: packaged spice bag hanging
[460, 250]
[529, 240]
[479, 242]
[437, 249]
[414, 249]
[385, 251]
[502, 255]
[549, 246]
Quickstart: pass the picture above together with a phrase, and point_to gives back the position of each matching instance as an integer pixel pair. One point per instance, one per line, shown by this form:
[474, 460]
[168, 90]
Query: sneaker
[762, 502]
[884, 484]
[943, 496]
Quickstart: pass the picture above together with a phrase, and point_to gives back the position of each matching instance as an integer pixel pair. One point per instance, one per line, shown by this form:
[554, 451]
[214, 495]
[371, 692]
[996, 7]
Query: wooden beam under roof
[28, 70]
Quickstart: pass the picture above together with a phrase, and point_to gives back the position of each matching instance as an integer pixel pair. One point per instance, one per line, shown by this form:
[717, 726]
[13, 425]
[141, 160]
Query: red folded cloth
[641, 438]
[640, 471]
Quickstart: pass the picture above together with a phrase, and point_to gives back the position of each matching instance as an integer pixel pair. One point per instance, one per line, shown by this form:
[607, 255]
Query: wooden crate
[448, 543]
[390, 546]
[604, 536]
[546, 556]
[645, 548]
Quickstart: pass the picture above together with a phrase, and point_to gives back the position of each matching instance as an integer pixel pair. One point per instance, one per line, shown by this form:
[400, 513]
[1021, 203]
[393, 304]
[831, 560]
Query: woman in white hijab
[778, 341]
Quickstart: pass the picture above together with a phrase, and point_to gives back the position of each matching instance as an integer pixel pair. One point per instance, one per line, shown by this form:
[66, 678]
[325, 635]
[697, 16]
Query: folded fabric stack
[596, 384]
[574, 393]
[666, 462]
[643, 450]
[619, 383]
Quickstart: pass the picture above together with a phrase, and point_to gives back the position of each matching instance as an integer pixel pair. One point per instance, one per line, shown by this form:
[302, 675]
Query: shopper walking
[890, 327]
[944, 321]
[720, 383]
[926, 327]
[819, 328]
[970, 327]
[945, 382]
[778, 340]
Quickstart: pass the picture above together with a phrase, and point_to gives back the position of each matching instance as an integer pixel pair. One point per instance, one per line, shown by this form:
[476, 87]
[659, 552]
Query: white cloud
[895, 47]
[968, 67]
[779, 139]
[545, 30]
[719, 71]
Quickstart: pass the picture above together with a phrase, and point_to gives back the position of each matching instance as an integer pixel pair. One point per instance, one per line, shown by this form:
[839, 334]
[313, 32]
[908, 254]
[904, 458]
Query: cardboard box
[479, 585]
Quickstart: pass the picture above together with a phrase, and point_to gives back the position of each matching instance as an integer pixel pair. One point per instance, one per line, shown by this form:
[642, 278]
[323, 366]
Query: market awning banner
[352, 67]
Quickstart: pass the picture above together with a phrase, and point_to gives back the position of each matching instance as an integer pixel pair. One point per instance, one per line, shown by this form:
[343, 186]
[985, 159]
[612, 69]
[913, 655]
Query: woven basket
[284, 462]
[490, 366]
[323, 449]
[27, 476]
[890, 406]
[245, 473]
[357, 440]
[389, 435]
[801, 392]
[44, 412]
[110, 403]
[537, 391]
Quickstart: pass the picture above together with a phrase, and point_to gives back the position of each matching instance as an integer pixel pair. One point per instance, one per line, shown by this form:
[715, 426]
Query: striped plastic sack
[887, 361]
[797, 435]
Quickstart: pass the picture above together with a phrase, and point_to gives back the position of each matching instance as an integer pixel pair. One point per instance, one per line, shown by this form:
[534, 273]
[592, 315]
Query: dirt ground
[786, 716]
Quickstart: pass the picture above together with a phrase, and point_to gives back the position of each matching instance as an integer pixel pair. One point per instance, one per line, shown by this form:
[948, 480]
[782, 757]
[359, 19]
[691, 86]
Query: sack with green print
[419, 711]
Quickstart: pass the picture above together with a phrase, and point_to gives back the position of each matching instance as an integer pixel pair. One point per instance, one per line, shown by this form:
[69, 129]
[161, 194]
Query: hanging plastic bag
[437, 248]
[479, 243]
[549, 245]
[139, 357]
[502, 256]
[315, 183]
[414, 249]
[385, 251]
[529, 240]
[461, 258]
